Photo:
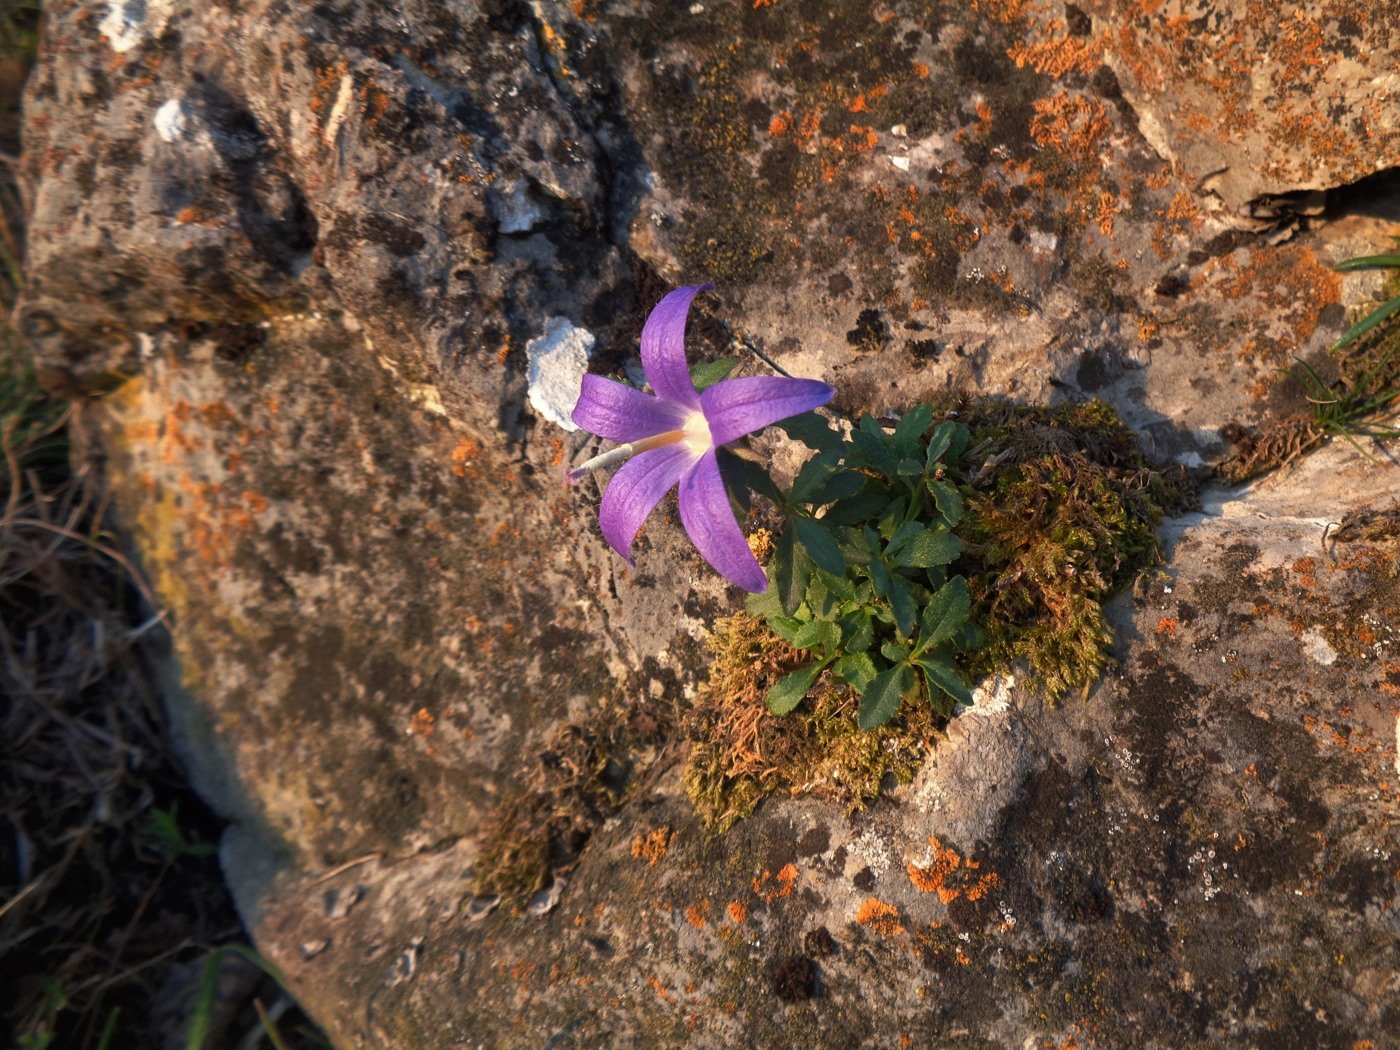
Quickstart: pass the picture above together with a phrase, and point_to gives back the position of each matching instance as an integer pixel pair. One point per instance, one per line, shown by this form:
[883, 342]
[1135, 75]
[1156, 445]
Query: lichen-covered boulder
[1250, 101]
[322, 276]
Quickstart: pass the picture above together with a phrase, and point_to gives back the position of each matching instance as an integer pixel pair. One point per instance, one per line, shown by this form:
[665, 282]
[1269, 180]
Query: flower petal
[636, 489]
[735, 407]
[663, 347]
[615, 411]
[710, 523]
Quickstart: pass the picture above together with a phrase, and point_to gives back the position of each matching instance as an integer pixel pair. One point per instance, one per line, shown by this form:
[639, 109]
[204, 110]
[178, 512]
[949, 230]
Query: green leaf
[946, 443]
[944, 615]
[841, 485]
[792, 568]
[892, 518]
[858, 631]
[762, 606]
[948, 500]
[931, 547]
[812, 430]
[841, 586]
[786, 627]
[821, 545]
[911, 428]
[902, 537]
[894, 653]
[856, 670]
[942, 676]
[857, 509]
[743, 475]
[791, 690]
[880, 577]
[870, 442]
[822, 635]
[708, 373]
[820, 599]
[812, 475]
[881, 698]
[906, 612]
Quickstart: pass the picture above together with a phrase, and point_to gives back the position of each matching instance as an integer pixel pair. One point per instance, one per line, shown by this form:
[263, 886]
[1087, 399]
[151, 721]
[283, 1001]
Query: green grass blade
[1368, 262]
[109, 1029]
[1368, 322]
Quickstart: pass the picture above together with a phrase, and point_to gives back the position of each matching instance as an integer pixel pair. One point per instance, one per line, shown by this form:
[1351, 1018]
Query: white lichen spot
[171, 120]
[556, 363]
[900, 131]
[1317, 648]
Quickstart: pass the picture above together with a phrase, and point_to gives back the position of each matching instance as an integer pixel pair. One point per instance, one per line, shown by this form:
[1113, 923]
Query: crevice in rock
[1279, 216]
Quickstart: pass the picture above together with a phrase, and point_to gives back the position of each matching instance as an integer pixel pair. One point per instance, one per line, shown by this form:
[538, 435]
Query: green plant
[859, 574]
[1382, 312]
[1342, 409]
[202, 1012]
[161, 832]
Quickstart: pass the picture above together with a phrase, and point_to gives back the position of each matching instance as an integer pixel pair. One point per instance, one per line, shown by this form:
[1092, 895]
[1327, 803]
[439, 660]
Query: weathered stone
[1250, 100]
[306, 248]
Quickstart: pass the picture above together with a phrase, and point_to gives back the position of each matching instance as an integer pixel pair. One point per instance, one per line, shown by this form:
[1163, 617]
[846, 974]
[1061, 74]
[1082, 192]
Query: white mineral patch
[426, 394]
[557, 361]
[340, 110]
[130, 22]
[170, 120]
[1318, 648]
[516, 212]
[902, 163]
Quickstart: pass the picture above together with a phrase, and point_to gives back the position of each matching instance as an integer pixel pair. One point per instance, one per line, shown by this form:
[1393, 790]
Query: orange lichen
[770, 887]
[652, 847]
[1004, 11]
[950, 875]
[1167, 626]
[698, 915]
[738, 914]
[1074, 124]
[462, 456]
[883, 918]
[1057, 53]
[422, 724]
[780, 125]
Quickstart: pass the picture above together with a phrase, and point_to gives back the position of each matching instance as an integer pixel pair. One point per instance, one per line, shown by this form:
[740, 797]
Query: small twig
[101, 548]
[377, 855]
[20, 896]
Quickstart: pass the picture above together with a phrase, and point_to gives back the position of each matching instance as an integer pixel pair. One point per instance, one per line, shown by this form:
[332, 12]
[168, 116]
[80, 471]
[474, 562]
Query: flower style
[670, 439]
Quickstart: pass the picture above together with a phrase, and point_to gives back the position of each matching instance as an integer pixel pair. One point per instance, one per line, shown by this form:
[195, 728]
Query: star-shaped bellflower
[670, 439]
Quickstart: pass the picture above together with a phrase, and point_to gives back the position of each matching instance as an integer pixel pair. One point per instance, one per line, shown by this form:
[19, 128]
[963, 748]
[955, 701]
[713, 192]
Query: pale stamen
[625, 452]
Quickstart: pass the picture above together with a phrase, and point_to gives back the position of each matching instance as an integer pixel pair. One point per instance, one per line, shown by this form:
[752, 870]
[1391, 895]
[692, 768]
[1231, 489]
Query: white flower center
[697, 433]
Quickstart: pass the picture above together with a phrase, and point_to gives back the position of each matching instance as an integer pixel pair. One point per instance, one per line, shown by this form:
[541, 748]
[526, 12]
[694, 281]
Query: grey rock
[299, 252]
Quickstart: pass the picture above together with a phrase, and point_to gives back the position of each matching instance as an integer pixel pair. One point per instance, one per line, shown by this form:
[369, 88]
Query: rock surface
[1249, 100]
[293, 255]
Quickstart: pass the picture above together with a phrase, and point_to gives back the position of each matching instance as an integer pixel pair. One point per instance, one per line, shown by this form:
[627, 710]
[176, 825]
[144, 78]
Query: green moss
[1062, 513]
[741, 753]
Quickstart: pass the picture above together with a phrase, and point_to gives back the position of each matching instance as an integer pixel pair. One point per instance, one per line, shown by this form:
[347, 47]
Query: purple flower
[670, 439]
